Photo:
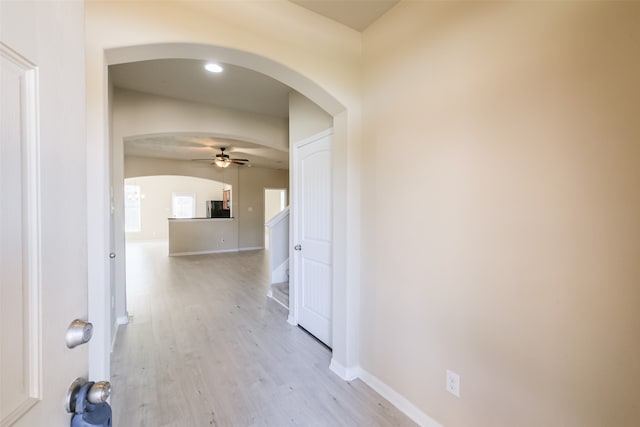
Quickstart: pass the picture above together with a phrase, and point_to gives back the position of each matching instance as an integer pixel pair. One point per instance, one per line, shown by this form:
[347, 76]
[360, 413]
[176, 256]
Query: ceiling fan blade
[241, 160]
[237, 162]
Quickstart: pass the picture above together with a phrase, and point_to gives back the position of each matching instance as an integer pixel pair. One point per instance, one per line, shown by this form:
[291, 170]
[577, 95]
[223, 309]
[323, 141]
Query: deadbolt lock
[79, 332]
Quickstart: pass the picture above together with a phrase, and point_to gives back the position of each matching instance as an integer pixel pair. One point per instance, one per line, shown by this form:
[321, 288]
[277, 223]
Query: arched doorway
[107, 298]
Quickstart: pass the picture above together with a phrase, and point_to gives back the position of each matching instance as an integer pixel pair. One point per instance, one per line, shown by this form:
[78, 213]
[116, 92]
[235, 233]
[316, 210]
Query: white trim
[31, 240]
[220, 251]
[314, 138]
[278, 218]
[397, 400]
[217, 251]
[293, 232]
[279, 274]
[294, 279]
[121, 320]
[198, 219]
[270, 295]
[136, 241]
[347, 374]
[291, 319]
[34, 233]
[98, 220]
[115, 335]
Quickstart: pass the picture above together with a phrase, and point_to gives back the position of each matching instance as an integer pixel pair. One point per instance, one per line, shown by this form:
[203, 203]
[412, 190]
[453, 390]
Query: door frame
[294, 285]
[102, 298]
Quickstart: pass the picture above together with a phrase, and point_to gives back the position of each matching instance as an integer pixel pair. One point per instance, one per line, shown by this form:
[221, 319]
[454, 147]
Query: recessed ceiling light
[213, 68]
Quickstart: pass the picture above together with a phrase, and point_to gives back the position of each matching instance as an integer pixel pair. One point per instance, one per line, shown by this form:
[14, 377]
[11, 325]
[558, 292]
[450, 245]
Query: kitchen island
[193, 236]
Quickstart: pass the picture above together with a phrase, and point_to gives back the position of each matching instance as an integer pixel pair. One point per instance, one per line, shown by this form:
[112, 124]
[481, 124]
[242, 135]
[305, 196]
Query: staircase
[279, 257]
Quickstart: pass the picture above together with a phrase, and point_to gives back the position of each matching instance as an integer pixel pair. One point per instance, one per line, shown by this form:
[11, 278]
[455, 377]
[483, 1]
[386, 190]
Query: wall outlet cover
[453, 383]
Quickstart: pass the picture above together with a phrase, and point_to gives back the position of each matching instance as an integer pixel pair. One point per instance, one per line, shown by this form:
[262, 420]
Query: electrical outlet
[453, 383]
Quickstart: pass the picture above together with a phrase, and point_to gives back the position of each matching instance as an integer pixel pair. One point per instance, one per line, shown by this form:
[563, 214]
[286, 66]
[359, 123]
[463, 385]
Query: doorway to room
[337, 116]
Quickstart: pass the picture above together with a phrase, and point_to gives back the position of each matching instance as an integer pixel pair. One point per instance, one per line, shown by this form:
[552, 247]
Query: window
[132, 199]
[183, 205]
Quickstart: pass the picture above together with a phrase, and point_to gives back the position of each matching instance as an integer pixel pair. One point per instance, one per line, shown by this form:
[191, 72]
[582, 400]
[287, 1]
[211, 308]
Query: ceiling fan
[223, 160]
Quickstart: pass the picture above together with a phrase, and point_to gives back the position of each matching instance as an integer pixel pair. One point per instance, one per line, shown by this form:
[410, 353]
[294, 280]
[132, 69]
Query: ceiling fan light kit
[221, 163]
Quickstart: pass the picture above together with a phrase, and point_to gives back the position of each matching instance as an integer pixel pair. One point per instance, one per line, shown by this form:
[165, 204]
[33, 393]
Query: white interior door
[43, 233]
[312, 235]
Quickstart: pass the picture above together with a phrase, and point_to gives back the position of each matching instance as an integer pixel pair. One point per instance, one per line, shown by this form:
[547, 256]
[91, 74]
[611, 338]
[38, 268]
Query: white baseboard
[122, 320]
[218, 251]
[115, 335]
[397, 400]
[157, 240]
[270, 295]
[347, 374]
[291, 320]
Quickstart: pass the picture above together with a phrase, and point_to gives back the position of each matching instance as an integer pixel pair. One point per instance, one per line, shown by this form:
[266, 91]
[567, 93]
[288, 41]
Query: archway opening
[345, 343]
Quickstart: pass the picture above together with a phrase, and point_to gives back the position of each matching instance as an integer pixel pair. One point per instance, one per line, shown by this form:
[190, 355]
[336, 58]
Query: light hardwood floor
[206, 347]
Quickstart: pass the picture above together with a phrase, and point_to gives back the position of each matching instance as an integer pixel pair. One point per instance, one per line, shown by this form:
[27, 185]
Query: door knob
[78, 332]
[112, 255]
[72, 394]
[297, 247]
[98, 392]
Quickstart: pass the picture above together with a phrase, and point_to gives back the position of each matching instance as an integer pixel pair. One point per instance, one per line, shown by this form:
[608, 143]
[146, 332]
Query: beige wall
[511, 253]
[273, 202]
[306, 118]
[247, 201]
[156, 206]
[137, 113]
[513, 258]
[250, 195]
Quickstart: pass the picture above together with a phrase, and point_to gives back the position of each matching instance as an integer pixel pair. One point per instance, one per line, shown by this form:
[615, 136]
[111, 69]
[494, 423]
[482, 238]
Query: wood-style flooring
[206, 347]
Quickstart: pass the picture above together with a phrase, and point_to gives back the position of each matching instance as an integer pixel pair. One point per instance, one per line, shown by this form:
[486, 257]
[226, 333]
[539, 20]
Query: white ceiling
[185, 79]
[357, 14]
[236, 88]
[190, 146]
